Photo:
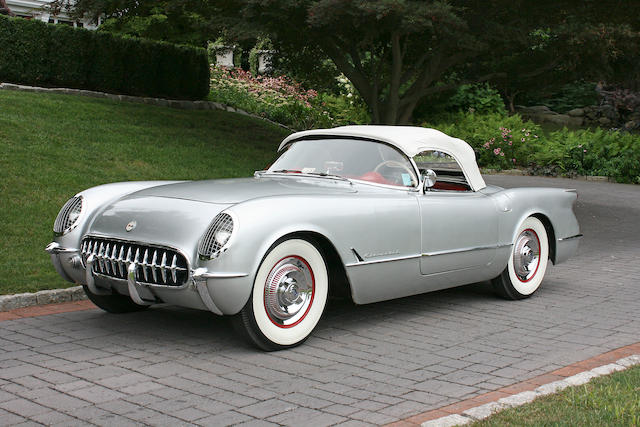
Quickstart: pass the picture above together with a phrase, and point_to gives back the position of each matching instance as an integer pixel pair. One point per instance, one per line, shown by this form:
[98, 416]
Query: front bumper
[222, 293]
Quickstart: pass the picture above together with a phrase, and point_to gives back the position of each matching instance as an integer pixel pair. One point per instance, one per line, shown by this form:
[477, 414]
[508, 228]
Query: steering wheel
[393, 164]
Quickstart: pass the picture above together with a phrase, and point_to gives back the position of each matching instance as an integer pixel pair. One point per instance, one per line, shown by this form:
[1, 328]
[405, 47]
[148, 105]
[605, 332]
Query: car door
[459, 230]
[459, 227]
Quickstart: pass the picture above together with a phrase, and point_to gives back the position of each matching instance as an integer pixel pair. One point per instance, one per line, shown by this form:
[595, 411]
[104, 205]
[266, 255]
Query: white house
[37, 9]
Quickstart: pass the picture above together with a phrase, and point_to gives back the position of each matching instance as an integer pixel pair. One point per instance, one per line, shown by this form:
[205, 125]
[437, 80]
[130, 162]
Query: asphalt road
[364, 365]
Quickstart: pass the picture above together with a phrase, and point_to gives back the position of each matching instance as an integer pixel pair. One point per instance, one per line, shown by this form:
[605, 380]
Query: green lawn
[53, 146]
[613, 400]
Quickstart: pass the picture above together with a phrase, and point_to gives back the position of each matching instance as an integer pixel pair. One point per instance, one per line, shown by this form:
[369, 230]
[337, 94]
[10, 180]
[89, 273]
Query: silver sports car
[370, 212]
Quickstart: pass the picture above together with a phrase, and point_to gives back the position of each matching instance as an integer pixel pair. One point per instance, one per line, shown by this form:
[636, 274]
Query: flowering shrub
[500, 142]
[276, 98]
[507, 151]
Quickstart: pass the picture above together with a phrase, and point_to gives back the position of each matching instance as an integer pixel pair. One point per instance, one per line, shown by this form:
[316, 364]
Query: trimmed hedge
[40, 54]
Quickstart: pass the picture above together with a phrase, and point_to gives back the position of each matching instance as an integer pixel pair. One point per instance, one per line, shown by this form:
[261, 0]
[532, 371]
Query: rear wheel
[288, 298]
[527, 263]
[114, 303]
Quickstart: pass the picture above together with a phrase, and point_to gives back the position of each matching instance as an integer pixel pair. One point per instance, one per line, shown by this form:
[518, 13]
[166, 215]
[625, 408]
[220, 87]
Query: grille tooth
[100, 258]
[209, 247]
[163, 267]
[114, 257]
[173, 268]
[107, 262]
[121, 262]
[114, 260]
[153, 266]
[145, 261]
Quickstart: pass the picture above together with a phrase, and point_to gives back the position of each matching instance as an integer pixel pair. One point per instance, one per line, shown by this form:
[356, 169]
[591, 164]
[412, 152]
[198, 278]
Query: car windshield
[349, 158]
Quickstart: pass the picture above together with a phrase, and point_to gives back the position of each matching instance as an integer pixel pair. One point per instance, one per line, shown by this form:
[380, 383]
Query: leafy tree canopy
[399, 52]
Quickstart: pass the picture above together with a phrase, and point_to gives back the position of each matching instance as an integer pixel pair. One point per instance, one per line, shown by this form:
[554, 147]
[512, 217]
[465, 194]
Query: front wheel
[527, 262]
[288, 298]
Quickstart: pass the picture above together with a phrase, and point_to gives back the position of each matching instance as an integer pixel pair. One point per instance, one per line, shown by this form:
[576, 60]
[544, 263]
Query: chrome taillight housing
[218, 236]
[68, 216]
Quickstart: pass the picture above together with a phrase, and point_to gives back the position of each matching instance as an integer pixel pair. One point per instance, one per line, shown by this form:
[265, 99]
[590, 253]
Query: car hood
[231, 191]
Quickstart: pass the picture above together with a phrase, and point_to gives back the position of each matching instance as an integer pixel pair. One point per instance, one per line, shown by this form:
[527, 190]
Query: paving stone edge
[53, 296]
[172, 103]
[481, 412]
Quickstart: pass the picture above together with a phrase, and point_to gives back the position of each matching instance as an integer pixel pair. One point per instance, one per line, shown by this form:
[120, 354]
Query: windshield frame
[342, 178]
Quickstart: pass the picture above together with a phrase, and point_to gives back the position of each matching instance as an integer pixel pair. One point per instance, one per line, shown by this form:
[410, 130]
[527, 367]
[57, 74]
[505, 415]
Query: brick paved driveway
[364, 365]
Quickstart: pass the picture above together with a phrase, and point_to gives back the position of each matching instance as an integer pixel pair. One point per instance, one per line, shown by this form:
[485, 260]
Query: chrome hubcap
[526, 255]
[288, 291]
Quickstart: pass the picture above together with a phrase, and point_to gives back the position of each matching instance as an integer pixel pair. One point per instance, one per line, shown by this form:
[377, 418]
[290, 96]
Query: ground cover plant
[283, 100]
[506, 142]
[607, 401]
[53, 146]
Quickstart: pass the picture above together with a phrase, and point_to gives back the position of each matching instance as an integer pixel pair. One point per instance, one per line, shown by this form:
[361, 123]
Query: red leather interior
[449, 186]
[375, 177]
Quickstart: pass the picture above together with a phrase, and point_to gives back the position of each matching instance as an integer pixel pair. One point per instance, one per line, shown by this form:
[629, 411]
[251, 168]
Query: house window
[79, 25]
[69, 23]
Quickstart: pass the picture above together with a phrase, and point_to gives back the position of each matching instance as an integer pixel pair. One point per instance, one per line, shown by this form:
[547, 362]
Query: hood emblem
[131, 226]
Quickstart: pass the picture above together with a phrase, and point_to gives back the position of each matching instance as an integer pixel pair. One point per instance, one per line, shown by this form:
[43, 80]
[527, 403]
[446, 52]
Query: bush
[506, 142]
[479, 98]
[592, 152]
[500, 142]
[572, 95]
[36, 53]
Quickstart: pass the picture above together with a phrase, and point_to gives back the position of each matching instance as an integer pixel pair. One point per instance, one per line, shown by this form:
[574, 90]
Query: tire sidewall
[529, 287]
[293, 335]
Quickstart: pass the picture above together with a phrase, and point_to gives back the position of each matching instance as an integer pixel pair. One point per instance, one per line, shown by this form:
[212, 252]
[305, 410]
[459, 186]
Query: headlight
[217, 238]
[69, 214]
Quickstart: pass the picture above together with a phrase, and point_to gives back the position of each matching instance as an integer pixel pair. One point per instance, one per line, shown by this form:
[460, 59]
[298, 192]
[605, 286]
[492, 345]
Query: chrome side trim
[378, 261]
[88, 275]
[131, 284]
[474, 248]
[202, 274]
[577, 236]
[55, 248]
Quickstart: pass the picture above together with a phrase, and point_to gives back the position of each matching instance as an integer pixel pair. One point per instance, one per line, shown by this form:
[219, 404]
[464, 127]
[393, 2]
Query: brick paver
[364, 365]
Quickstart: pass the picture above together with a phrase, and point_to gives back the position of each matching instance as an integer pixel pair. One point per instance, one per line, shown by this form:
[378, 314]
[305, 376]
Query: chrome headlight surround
[69, 215]
[219, 236]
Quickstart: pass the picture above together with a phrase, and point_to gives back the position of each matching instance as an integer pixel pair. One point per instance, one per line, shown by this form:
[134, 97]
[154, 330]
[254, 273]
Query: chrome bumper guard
[200, 276]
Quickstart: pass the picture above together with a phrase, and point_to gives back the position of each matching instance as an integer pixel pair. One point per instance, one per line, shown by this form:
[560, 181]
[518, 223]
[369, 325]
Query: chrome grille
[154, 265]
[210, 247]
[68, 215]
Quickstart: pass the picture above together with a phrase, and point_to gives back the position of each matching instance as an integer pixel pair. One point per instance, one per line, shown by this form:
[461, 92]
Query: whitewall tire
[527, 262]
[289, 296]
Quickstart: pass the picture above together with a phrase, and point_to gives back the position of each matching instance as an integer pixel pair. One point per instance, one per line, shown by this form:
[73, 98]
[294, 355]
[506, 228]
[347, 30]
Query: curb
[160, 102]
[53, 296]
[484, 405]
[524, 172]
[488, 409]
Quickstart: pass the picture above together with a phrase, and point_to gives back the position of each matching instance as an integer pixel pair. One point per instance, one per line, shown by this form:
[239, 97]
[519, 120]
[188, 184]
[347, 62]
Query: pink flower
[510, 143]
[502, 154]
[514, 161]
[496, 151]
[486, 145]
[584, 151]
[522, 140]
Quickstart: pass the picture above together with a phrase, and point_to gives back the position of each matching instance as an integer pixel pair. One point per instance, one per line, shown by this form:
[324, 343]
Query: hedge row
[40, 54]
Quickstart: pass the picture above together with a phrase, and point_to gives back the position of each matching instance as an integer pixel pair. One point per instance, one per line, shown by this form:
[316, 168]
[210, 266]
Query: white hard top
[411, 141]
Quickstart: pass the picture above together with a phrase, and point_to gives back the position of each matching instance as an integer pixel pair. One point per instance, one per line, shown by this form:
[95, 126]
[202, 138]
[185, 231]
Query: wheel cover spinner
[526, 255]
[289, 291]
